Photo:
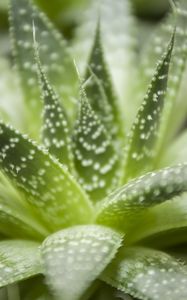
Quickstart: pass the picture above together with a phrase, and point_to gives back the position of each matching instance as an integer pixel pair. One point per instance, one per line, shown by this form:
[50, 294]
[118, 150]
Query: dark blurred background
[66, 13]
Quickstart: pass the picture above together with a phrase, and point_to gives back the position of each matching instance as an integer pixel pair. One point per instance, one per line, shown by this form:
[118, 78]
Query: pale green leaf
[163, 225]
[117, 34]
[55, 56]
[148, 274]
[143, 138]
[96, 160]
[75, 257]
[55, 131]
[100, 91]
[123, 206]
[176, 152]
[48, 185]
[11, 98]
[16, 217]
[175, 108]
[18, 260]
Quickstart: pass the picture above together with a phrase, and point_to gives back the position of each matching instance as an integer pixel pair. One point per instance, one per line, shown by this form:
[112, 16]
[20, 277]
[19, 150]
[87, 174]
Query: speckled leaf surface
[151, 54]
[117, 27]
[53, 51]
[19, 259]
[75, 257]
[55, 130]
[100, 91]
[96, 160]
[148, 274]
[143, 138]
[118, 209]
[48, 185]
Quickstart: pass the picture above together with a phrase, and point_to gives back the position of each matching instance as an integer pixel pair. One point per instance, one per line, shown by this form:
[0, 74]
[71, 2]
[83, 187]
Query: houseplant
[93, 203]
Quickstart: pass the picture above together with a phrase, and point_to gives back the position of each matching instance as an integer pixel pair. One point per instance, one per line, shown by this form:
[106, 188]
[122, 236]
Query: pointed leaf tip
[100, 91]
[143, 142]
[55, 131]
[55, 56]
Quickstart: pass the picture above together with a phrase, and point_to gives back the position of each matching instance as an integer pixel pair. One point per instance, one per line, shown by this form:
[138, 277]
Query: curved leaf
[18, 260]
[16, 217]
[48, 185]
[163, 225]
[143, 139]
[96, 160]
[148, 274]
[123, 205]
[75, 257]
[100, 91]
[55, 129]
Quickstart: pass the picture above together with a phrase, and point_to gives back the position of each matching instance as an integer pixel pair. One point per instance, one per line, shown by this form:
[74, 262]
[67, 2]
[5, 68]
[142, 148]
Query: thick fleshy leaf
[143, 139]
[96, 159]
[75, 257]
[48, 185]
[16, 218]
[151, 54]
[18, 260]
[55, 131]
[100, 91]
[54, 55]
[148, 274]
[164, 225]
[122, 206]
[117, 33]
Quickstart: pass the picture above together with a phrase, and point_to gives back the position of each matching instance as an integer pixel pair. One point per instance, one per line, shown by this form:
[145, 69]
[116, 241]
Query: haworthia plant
[86, 202]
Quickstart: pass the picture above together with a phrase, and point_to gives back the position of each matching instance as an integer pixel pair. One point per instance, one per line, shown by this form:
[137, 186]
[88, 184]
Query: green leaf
[55, 131]
[163, 225]
[100, 91]
[55, 56]
[123, 206]
[47, 184]
[143, 139]
[148, 274]
[96, 159]
[11, 104]
[16, 218]
[117, 28]
[175, 153]
[75, 257]
[176, 108]
[19, 260]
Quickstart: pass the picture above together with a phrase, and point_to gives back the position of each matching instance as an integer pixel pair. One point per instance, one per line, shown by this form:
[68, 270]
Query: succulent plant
[92, 193]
